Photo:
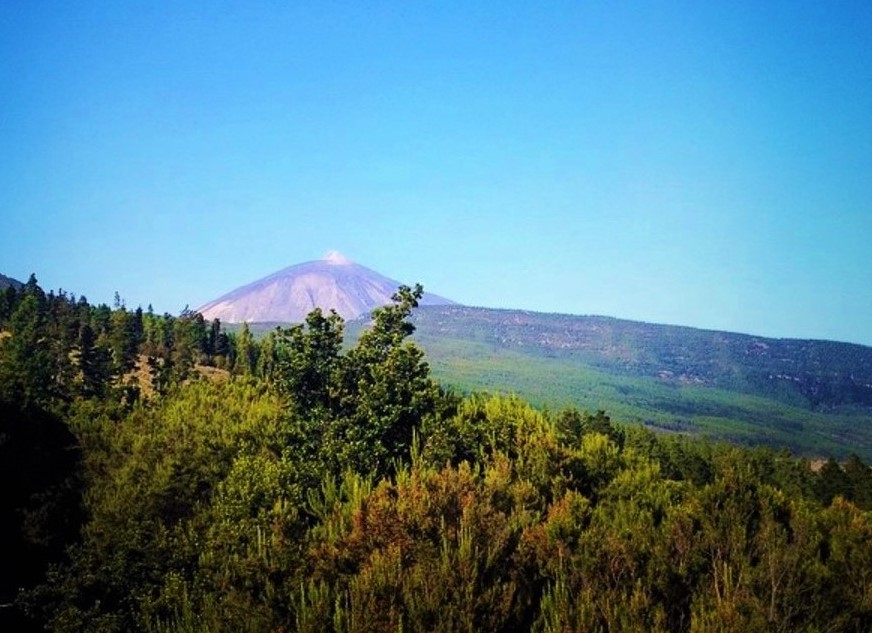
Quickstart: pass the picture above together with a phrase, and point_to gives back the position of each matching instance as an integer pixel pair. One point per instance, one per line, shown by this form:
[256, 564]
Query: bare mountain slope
[5, 282]
[290, 294]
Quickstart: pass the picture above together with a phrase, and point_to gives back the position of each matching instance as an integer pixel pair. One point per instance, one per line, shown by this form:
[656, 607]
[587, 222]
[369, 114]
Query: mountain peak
[337, 259]
[287, 296]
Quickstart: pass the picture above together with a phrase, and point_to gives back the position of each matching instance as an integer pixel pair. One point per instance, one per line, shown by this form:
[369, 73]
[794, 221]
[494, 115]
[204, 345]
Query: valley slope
[814, 397]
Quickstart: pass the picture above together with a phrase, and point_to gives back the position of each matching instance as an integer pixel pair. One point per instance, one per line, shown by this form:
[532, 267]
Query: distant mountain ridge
[823, 373]
[812, 396]
[5, 282]
[334, 282]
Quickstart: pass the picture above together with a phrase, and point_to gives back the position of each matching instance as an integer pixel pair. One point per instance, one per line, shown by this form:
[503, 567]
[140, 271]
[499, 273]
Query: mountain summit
[334, 282]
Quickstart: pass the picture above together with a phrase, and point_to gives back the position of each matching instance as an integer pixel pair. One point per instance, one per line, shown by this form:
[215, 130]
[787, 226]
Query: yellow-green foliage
[204, 516]
[345, 492]
[200, 521]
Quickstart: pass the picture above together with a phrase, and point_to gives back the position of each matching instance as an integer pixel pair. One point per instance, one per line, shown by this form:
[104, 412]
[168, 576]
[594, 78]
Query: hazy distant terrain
[5, 282]
[821, 375]
[814, 397]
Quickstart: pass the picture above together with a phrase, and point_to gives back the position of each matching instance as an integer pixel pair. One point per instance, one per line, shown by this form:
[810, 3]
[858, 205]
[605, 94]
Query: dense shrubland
[315, 487]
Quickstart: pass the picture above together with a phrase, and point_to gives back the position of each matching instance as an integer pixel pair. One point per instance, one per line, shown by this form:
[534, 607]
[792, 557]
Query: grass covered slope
[814, 397]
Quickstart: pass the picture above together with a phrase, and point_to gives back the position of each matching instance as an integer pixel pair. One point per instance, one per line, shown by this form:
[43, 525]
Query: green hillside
[814, 397]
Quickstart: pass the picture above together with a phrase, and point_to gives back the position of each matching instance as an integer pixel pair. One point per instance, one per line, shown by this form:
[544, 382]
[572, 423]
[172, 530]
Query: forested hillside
[161, 474]
[817, 374]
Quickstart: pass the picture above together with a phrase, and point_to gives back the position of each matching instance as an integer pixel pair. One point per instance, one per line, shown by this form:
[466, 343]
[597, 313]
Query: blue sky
[695, 163]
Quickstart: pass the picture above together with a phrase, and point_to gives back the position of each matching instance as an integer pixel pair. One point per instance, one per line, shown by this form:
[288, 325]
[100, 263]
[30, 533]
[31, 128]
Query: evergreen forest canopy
[162, 474]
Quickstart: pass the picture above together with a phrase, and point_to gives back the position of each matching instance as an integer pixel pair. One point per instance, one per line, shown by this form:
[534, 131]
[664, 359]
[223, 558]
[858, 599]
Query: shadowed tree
[27, 368]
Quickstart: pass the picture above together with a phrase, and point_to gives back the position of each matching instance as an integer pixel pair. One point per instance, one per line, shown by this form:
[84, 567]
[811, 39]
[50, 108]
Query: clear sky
[695, 163]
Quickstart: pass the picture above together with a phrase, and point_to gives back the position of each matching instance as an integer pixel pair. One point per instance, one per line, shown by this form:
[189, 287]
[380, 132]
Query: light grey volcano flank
[291, 293]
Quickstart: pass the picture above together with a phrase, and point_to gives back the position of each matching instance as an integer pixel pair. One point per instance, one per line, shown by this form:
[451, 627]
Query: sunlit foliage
[318, 487]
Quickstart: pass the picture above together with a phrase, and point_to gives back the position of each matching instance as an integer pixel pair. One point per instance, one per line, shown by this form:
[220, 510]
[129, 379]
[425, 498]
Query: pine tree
[308, 360]
[123, 341]
[95, 363]
[27, 367]
[267, 357]
[386, 388]
[8, 303]
[245, 353]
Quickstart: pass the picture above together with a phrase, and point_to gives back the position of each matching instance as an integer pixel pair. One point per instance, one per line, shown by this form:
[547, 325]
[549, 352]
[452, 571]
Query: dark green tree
[212, 337]
[95, 364]
[8, 303]
[137, 326]
[246, 353]
[356, 410]
[27, 367]
[101, 320]
[267, 356]
[859, 477]
[309, 355]
[123, 341]
[385, 391]
[832, 482]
